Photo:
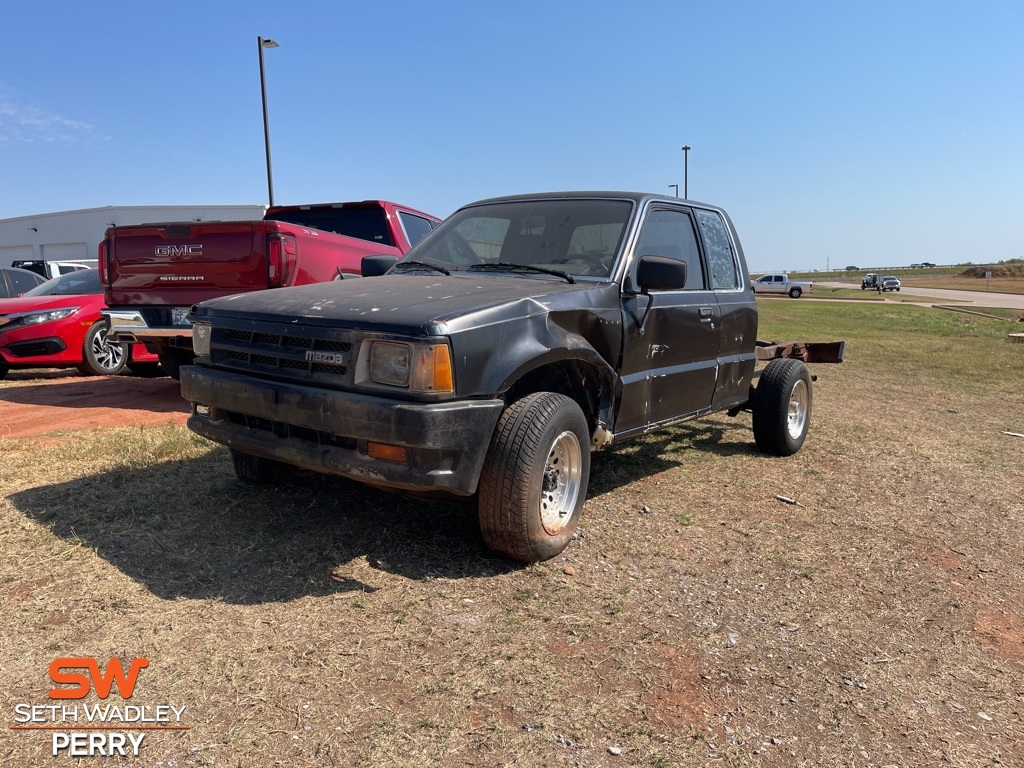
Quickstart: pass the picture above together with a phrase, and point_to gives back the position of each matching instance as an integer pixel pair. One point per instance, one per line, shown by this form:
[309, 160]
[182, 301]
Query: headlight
[389, 363]
[417, 367]
[201, 339]
[35, 318]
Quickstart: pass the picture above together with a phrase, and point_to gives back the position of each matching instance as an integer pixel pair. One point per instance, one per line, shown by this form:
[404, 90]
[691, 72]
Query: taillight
[282, 253]
[101, 262]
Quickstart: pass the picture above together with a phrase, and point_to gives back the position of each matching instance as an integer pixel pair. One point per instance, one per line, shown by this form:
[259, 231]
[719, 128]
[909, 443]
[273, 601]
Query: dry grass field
[696, 620]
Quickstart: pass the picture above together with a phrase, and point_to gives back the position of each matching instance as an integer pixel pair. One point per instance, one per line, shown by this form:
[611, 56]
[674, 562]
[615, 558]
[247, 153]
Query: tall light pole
[676, 186]
[261, 43]
[686, 172]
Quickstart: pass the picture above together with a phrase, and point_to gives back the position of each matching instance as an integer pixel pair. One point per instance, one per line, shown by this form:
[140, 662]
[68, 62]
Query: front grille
[283, 430]
[294, 353]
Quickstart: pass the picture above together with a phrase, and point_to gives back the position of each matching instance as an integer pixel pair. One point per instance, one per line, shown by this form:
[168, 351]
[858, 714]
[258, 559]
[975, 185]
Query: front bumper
[328, 431]
[131, 326]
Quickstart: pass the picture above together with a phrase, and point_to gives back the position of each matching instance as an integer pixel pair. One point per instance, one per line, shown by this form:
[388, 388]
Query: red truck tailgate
[186, 262]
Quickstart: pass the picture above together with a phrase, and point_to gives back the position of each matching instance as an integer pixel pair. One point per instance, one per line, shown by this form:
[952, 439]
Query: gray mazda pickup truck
[517, 338]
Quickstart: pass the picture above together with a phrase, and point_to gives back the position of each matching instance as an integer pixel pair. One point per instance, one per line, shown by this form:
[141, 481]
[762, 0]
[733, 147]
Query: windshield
[79, 282]
[575, 237]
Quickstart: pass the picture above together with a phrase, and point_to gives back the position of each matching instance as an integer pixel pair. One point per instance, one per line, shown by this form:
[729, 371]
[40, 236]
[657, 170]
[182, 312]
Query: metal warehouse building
[77, 234]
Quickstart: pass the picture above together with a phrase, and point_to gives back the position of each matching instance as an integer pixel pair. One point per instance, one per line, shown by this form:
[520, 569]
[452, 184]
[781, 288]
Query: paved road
[980, 298]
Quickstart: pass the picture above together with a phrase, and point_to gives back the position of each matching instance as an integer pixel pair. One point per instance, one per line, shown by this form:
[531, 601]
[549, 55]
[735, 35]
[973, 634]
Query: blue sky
[871, 133]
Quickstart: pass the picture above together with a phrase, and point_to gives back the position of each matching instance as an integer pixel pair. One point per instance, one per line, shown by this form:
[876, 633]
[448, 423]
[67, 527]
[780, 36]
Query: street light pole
[686, 172]
[261, 43]
[676, 186]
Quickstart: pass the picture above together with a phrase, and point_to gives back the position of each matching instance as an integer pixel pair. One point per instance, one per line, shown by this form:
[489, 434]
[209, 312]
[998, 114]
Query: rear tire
[100, 355]
[534, 479]
[172, 358]
[794, 293]
[782, 407]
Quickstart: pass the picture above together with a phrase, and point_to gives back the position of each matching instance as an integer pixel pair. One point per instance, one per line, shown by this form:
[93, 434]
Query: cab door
[672, 337]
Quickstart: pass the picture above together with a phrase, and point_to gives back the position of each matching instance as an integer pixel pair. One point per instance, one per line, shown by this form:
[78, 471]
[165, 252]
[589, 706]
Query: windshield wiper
[424, 264]
[508, 266]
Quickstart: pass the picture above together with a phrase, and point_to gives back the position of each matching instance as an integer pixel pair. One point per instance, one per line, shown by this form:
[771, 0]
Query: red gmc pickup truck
[153, 273]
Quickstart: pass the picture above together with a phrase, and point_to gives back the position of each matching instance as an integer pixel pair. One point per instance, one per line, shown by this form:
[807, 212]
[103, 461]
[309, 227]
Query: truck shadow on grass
[189, 529]
[665, 450]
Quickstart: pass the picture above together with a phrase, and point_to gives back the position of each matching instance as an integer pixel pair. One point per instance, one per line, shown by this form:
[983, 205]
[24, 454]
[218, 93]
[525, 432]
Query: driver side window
[670, 233]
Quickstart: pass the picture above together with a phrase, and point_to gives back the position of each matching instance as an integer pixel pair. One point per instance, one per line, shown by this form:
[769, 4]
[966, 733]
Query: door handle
[706, 314]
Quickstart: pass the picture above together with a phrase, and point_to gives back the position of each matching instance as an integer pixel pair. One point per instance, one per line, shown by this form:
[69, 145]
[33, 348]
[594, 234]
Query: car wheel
[255, 470]
[794, 293]
[4, 368]
[172, 359]
[100, 355]
[782, 407]
[534, 479]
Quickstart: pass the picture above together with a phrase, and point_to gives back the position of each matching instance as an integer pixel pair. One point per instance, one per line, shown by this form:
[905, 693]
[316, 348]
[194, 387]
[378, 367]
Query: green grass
[902, 340]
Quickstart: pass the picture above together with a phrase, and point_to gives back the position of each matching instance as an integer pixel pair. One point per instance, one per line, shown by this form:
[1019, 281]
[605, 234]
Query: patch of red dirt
[1001, 631]
[34, 403]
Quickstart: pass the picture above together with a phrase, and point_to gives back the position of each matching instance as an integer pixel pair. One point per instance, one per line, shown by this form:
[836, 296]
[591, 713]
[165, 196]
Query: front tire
[534, 479]
[782, 407]
[100, 355]
[794, 293]
[172, 359]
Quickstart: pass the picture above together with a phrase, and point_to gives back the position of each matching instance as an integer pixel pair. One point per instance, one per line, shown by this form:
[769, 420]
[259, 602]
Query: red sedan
[58, 324]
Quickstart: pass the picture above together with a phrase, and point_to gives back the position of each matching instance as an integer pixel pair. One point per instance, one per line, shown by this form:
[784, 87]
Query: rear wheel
[101, 356]
[782, 407]
[172, 358]
[795, 292]
[534, 479]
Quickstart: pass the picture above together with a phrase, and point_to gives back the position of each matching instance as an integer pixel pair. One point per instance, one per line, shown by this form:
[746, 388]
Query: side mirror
[658, 273]
[375, 266]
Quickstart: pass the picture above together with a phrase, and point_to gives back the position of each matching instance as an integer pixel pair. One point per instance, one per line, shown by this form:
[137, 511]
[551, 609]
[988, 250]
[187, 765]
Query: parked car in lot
[153, 273]
[50, 269]
[519, 336]
[890, 283]
[58, 324]
[15, 281]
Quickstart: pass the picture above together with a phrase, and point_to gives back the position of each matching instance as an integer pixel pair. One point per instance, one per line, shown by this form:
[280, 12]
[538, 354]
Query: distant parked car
[58, 324]
[851, 267]
[50, 269]
[14, 281]
[890, 283]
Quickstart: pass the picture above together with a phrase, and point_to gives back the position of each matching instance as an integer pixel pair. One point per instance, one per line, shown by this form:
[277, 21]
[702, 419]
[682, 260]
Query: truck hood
[420, 304]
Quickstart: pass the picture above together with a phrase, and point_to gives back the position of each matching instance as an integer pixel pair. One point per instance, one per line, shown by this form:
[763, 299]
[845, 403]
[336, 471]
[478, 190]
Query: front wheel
[782, 407]
[172, 358]
[101, 356]
[534, 478]
[795, 292]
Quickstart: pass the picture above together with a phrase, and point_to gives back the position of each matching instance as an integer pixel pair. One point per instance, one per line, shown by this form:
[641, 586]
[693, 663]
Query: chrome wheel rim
[796, 418]
[560, 486]
[107, 354]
